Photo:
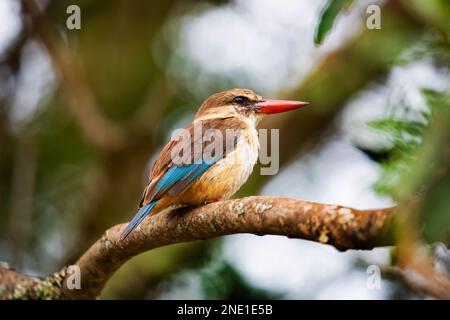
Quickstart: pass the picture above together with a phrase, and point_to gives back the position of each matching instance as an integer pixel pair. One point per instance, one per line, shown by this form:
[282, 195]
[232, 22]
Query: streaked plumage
[201, 180]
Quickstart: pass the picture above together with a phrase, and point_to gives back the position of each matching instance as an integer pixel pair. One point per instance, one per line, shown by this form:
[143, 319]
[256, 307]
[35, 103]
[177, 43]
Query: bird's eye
[240, 100]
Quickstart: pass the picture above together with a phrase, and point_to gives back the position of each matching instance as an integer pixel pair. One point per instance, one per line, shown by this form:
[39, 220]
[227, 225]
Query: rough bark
[342, 227]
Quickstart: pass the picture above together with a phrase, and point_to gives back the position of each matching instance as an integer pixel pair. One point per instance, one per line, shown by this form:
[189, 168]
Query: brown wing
[164, 160]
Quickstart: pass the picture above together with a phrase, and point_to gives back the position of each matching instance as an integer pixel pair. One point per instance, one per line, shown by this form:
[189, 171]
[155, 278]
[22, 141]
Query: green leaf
[434, 99]
[398, 126]
[409, 143]
[327, 18]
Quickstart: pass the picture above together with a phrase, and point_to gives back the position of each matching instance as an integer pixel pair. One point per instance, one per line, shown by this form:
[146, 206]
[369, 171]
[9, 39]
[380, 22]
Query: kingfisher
[211, 158]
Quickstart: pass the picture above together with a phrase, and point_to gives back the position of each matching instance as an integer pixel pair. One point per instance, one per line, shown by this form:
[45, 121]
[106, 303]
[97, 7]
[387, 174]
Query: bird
[184, 174]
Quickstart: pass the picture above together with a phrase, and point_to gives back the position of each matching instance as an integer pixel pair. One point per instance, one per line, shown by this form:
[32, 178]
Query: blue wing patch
[174, 181]
[178, 178]
[195, 172]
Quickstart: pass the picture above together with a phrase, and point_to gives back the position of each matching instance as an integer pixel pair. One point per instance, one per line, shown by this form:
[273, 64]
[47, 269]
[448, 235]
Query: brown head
[242, 102]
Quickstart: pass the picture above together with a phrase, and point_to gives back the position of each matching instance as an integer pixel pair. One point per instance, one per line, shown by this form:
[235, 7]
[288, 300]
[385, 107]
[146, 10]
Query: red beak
[277, 106]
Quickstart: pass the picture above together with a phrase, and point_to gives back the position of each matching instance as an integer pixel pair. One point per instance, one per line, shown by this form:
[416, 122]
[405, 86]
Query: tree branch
[342, 227]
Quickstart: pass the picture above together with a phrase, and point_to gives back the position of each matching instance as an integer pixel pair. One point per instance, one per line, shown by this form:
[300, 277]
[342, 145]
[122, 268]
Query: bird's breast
[225, 177]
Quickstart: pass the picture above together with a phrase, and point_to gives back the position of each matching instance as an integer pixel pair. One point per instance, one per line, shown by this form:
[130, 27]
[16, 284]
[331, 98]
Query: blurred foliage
[417, 162]
[59, 191]
[435, 171]
[221, 280]
[328, 16]
[404, 138]
[136, 280]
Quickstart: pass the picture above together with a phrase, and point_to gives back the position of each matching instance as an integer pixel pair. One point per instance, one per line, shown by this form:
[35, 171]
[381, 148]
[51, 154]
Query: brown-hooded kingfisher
[201, 178]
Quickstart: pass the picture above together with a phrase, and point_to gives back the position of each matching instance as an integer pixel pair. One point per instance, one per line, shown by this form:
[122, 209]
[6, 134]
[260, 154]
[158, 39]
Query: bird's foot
[213, 200]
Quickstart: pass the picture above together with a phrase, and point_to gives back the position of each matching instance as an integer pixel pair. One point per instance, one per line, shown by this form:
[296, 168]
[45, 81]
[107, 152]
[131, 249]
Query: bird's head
[243, 103]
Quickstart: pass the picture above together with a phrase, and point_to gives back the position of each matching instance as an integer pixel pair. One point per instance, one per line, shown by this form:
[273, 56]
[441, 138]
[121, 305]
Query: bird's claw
[213, 200]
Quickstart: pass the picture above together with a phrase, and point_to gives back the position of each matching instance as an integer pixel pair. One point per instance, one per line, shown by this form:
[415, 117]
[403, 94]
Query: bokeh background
[84, 112]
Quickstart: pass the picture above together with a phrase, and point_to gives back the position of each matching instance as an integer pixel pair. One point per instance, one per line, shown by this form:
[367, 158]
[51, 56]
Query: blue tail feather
[137, 219]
